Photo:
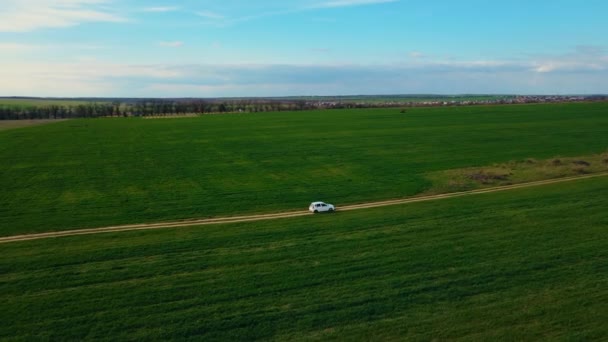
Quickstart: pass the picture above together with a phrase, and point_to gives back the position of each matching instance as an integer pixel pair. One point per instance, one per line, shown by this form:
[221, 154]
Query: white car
[321, 207]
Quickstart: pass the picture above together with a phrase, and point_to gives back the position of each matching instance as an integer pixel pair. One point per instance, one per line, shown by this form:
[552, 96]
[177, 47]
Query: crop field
[523, 264]
[96, 172]
[38, 102]
[528, 264]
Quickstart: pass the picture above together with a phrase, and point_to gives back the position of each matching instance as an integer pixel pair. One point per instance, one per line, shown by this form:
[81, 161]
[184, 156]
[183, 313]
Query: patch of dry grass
[171, 116]
[12, 124]
[517, 171]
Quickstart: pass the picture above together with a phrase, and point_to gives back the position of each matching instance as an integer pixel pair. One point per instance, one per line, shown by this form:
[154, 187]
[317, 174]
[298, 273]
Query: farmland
[39, 102]
[96, 172]
[12, 124]
[525, 264]
[521, 264]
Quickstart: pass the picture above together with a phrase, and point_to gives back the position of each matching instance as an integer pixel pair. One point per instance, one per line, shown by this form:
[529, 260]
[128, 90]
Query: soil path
[236, 219]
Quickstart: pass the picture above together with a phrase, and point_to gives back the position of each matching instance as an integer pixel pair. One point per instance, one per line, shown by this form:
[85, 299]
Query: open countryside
[93, 173]
[303, 170]
[381, 272]
[525, 264]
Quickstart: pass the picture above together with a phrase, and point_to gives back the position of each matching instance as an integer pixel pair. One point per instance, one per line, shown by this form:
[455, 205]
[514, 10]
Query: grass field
[520, 265]
[87, 173]
[38, 102]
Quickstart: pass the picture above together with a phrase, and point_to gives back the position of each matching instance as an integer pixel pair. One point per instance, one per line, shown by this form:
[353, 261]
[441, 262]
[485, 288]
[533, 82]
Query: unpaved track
[236, 219]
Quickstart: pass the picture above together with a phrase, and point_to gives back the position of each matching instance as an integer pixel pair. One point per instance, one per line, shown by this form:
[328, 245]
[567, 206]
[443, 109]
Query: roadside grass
[528, 264]
[515, 172]
[99, 172]
[181, 116]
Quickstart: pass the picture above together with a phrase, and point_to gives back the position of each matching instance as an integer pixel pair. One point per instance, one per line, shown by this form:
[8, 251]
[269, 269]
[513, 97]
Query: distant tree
[222, 108]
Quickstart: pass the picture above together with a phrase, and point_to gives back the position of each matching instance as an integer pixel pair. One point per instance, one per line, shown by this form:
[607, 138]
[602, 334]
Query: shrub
[581, 163]
[486, 177]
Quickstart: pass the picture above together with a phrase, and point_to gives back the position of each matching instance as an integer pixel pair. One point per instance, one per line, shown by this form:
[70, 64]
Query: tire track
[262, 217]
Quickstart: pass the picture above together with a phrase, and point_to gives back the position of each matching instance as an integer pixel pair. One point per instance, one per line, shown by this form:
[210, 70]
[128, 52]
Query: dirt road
[235, 219]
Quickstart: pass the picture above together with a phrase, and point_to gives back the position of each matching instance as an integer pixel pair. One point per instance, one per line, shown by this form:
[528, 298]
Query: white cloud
[161, 9]
[87, 71]
[15, 52]
[569, 73]
[324, 20]
[583, 59]
[48, 87]
[210, 15]
[351, 3]
[416, 54]
[219, 20]
[30, 15]
[216, 19]
[16, 48]
[174, 44]
[236, 90]
[568, 66]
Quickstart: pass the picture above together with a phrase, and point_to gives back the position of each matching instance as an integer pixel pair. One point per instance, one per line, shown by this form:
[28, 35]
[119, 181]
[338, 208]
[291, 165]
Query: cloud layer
[301, 47]
[575, 73]
[350, 3]
[30, 15]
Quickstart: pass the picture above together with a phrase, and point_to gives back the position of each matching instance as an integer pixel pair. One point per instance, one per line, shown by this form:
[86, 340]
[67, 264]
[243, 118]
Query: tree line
[163, 107]
[157, 107]
[143, 108]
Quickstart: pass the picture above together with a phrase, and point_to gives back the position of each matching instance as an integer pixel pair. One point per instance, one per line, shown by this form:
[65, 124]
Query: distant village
[456, 101]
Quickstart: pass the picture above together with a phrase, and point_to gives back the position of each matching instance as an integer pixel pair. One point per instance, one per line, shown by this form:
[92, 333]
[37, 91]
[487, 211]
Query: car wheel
[331, 210]
[316, 211]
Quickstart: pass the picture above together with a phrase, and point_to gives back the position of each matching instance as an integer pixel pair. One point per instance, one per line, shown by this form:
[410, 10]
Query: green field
[519, 265]
[96, 172]
[39, 102]
[527, 264]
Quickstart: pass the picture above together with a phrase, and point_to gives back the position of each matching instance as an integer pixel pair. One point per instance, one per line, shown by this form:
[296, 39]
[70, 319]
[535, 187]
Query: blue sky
[204, 48]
